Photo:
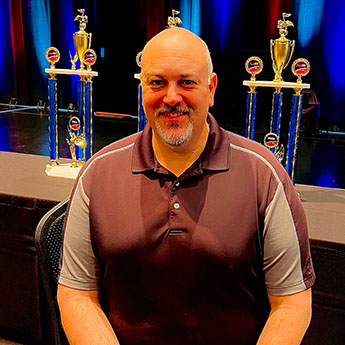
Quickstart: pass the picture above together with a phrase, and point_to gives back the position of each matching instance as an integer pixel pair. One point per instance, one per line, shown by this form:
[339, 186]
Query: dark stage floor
[321, 160]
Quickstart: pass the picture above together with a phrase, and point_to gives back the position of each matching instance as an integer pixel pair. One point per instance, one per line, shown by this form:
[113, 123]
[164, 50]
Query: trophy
[281, 53]
[80, 140]
[82, 40]
[282, 48]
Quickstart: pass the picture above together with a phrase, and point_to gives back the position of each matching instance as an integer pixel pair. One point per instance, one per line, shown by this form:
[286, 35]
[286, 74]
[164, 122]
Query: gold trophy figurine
[282, 48]
[174, 21]
[75, 139]
[82, 40]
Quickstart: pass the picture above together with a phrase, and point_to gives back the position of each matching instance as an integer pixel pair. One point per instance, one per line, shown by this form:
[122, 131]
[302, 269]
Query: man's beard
[174, 134]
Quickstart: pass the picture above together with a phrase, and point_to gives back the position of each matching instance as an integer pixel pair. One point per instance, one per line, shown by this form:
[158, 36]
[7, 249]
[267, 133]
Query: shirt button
[176, 206]
[177, 184]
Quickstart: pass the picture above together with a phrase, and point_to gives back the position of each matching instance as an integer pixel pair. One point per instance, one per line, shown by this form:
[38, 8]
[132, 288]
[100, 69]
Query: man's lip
[174, 117]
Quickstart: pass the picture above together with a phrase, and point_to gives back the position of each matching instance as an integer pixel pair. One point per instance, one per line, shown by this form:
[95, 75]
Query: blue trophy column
[141, 113]
[53, 132]
[79, 151]
[250, 116]
[293, 141]
[276, 114]
[88, 120]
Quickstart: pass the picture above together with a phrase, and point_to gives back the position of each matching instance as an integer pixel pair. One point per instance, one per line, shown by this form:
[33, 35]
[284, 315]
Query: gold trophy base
[63, 170]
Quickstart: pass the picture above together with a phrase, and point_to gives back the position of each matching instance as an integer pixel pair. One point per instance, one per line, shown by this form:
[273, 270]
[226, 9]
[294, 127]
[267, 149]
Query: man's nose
[172, 96]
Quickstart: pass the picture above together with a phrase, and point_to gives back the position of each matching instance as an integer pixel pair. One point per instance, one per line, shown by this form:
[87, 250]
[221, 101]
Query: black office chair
[48, 240]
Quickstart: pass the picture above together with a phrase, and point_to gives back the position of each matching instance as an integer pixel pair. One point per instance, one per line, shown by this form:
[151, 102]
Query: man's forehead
[172, 61]
[174, 42]
[174, 36]
[172, 73]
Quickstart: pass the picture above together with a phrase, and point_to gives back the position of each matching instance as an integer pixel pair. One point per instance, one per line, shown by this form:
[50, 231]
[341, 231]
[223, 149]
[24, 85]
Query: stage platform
[27, 193]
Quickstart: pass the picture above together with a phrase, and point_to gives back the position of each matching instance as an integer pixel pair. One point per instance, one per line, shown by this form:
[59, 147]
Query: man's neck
[178, 159]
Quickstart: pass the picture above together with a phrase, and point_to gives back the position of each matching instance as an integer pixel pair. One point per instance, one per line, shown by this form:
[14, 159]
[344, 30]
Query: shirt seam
[106, 154]
[258, 156]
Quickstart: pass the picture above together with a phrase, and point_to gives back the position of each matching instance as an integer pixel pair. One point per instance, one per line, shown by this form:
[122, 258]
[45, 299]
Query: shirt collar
[216, 155]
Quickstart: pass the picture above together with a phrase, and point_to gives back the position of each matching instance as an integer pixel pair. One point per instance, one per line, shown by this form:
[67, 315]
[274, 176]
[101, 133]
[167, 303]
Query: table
[325, 210]
[26, 194]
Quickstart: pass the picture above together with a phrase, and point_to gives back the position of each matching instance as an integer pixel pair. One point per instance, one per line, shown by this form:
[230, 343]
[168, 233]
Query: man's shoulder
[118, 149]
[117, 146]
[241, 143]
[256, 152]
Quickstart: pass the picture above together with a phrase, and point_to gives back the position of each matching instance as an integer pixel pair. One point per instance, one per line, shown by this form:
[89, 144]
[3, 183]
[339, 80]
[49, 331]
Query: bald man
[184, 233]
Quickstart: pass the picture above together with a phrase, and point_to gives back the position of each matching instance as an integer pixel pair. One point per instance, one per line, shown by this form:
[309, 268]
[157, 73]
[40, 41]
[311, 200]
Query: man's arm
[83, 319]
[288, 320]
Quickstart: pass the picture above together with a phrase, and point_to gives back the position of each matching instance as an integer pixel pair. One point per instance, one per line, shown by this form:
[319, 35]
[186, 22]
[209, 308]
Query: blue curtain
[190, 15]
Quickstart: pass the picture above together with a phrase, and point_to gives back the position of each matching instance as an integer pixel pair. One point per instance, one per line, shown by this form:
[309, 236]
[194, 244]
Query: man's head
[178, 86]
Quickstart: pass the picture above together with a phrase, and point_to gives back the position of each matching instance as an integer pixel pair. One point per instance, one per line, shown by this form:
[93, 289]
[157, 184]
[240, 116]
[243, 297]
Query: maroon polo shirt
[186, 260]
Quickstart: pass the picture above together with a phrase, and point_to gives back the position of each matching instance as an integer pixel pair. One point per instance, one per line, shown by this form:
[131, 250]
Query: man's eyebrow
[160, 76]
[152, 75]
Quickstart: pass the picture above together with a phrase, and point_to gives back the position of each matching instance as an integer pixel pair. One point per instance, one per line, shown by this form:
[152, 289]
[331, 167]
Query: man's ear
[212, 88]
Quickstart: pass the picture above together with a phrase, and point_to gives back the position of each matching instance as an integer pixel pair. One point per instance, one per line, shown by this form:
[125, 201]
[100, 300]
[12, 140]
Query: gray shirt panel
[80, 268]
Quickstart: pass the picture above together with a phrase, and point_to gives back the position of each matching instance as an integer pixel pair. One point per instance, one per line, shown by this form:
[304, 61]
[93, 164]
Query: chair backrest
[48, 240]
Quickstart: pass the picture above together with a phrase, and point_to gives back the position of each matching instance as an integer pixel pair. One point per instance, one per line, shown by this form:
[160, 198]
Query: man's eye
[188, 83]
[157, 83]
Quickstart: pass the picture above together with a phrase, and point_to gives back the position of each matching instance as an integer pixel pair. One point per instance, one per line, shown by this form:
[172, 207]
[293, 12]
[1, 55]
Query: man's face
[176, 91]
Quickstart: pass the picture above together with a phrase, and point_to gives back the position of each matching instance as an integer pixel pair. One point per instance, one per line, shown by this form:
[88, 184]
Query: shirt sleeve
[287, 262]
[80, 268]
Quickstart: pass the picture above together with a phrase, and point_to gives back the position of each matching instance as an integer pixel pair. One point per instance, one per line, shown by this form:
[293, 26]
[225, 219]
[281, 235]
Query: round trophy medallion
[138, 58]
[74, 123]
[89, 58]
[52, 55]
[271, 140]
[300, 67]
[254, 65]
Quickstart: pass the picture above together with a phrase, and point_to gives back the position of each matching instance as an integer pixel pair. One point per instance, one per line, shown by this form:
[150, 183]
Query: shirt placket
[175, 209]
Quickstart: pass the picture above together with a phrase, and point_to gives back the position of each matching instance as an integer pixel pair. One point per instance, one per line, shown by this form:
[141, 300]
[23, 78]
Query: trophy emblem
[300, 68]
[53, 56]
[82, 39]
[271, 141]
[282, 48]
[254, 65]
[89, 58]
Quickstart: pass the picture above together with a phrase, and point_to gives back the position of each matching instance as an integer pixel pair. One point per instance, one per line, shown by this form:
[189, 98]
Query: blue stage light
[40, 28]
[66, 30]
[190, 15]
[327, 180]
[227, 20]
[334, 48]
[223, 10]
[310, 14]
